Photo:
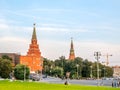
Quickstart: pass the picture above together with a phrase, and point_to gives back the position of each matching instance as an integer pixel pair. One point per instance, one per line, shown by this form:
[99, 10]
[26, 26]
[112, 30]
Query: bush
[20, 70]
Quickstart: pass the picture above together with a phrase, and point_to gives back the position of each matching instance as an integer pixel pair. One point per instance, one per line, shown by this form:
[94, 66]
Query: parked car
[34, 77]
[106, 78]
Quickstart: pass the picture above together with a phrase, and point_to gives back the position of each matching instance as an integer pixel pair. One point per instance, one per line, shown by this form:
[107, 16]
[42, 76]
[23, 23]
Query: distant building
[116, 71]
[33, 59]
[72, 54]
[14, 56]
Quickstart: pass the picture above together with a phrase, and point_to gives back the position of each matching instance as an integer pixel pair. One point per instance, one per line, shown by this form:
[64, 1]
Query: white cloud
[13, 45]
[54, 29]
[8, 28]
[50, 10]
[4, 26]
[11, 30]
[12, 39]
[61, 28]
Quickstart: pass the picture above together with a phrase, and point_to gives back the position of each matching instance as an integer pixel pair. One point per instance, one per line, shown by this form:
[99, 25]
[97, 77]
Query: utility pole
[97, 57]
[104, 71]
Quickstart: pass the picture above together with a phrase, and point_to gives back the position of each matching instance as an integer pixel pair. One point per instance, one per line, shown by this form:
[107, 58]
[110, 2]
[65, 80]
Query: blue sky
[94, 25]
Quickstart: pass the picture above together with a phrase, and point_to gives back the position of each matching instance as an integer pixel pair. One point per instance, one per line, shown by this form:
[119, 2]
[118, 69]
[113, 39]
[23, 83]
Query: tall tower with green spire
[34, 47]
[72, 54]
[33, 59]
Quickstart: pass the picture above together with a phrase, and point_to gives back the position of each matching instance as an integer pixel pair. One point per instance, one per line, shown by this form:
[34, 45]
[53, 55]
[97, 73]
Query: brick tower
[72, 54]
[33, 59]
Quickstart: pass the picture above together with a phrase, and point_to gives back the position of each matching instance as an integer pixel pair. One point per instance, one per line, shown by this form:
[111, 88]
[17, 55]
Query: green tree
[6, 57]
[71, 66]
[60, 62]
[79, 61]
[5, 68]
[108, 71]
[20, 71]
[57, 71]
[86, 68]
[48, 65]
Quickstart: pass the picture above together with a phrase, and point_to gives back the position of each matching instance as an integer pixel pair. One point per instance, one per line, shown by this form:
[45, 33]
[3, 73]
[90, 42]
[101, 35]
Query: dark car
[34, 77]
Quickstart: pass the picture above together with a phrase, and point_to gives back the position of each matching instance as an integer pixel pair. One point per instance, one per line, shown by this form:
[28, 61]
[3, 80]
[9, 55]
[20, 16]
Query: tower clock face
[34, 41]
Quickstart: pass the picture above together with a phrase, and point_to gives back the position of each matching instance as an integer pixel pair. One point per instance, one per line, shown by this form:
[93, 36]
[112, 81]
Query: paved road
[80, 82]
[92, 82]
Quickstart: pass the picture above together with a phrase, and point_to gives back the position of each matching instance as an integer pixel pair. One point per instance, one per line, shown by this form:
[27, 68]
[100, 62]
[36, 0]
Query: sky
[93, 24]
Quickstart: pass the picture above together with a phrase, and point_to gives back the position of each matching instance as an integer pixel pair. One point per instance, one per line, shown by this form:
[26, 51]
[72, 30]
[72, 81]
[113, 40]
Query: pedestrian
[66, 82]
[118, 82]
[112, 83]
[115, 83]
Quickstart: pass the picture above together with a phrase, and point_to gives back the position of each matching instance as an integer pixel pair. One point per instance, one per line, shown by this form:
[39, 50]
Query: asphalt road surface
[80, 82]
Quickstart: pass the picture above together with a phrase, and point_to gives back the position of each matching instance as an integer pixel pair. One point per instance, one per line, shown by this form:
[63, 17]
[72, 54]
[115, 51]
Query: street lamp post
[104, 71]
[40, 73]
[24, 72]
[97, 57]
[77, 70]
[91, 72]
[62, 71]
[51, 70]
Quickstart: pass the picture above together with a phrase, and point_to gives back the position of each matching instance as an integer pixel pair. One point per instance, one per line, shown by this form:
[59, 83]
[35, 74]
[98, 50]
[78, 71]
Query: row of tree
[77, 68]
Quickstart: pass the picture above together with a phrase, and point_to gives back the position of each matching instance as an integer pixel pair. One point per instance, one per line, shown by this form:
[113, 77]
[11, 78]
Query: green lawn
[19, 85]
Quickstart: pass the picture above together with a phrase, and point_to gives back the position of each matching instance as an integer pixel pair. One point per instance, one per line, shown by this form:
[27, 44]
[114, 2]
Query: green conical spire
[34, 32]
[71, 43]
[71, 47]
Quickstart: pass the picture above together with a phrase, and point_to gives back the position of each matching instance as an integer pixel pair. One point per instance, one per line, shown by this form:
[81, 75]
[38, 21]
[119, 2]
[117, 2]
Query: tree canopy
[78, 68]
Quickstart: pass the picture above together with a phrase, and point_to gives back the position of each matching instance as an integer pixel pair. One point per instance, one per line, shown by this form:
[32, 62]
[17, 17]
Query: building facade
[33, 59]
[116, 71]
[14, 56]
[72, 54]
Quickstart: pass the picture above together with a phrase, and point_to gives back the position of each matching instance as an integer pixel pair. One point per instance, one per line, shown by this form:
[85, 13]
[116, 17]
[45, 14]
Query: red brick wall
[34, 63]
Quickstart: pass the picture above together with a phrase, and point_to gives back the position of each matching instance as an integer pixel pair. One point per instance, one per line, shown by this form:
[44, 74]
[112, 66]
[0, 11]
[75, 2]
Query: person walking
[119, 82]
[115, 82]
